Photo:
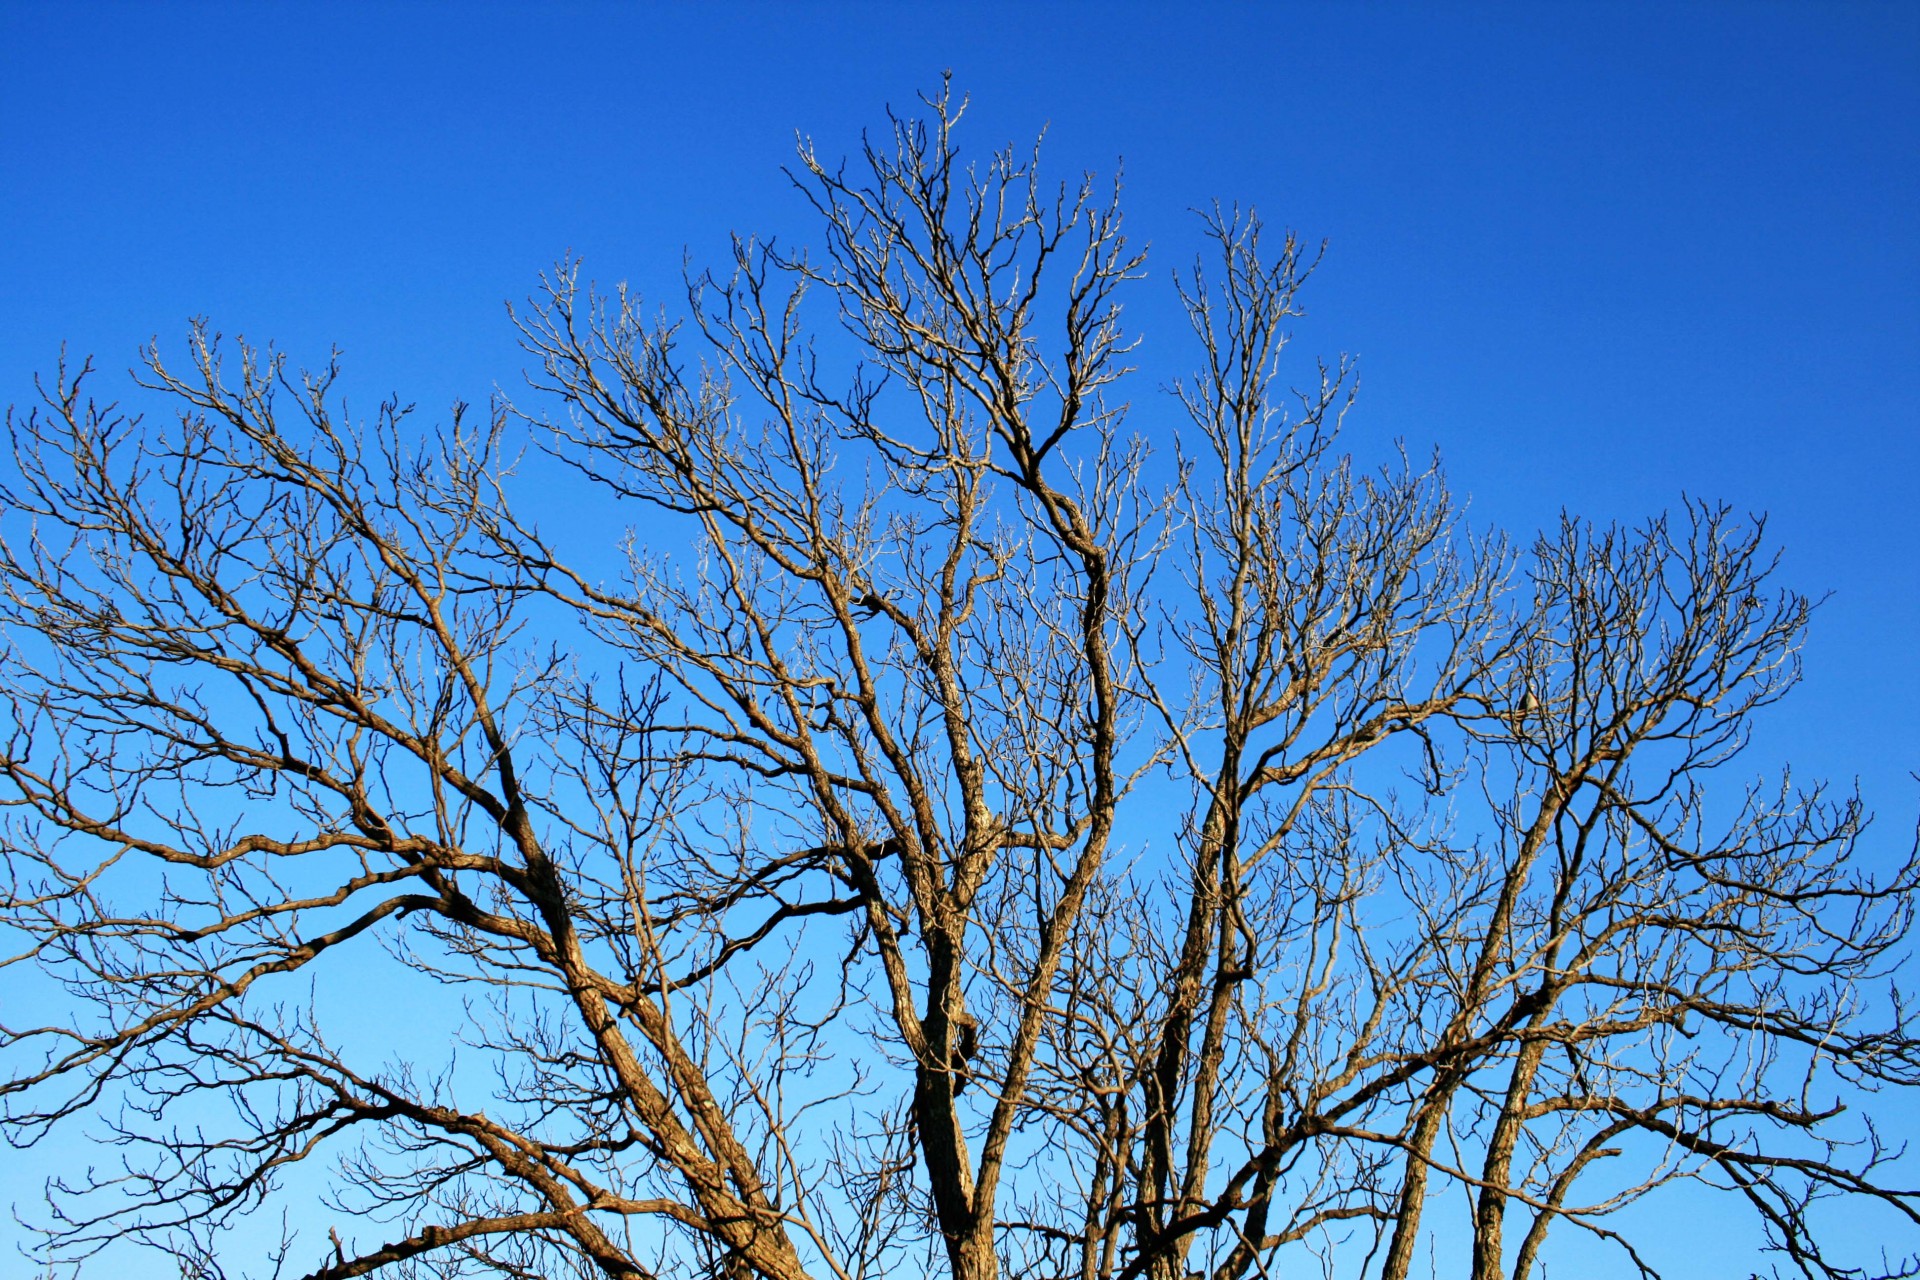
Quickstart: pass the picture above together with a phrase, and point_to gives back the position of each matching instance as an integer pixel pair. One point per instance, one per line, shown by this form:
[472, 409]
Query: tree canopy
[1021, 823]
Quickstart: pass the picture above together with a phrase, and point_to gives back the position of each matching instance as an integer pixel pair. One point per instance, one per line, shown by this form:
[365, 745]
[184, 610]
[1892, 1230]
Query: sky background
[1599, 257]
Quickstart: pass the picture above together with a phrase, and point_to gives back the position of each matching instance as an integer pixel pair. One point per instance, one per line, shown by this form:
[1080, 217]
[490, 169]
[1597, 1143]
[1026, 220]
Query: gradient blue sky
[1599, 256]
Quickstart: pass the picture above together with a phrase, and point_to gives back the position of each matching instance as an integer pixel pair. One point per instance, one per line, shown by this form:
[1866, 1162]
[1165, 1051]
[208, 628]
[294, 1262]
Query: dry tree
[958, 840]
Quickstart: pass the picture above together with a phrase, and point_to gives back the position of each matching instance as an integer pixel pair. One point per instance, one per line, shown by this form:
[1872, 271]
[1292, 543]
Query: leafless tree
[975, 844]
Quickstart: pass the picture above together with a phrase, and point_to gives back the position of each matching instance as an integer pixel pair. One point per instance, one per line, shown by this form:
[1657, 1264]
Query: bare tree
[980, 845]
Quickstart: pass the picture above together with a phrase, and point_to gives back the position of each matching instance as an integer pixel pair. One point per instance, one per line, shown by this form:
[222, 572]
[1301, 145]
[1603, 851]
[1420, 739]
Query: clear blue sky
[1600, 256]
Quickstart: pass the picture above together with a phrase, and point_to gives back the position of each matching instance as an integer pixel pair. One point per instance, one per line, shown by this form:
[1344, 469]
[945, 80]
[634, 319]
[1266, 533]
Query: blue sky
[1600, 257]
